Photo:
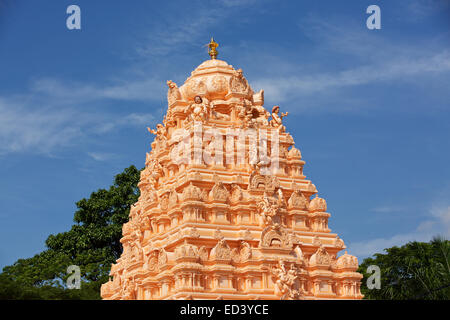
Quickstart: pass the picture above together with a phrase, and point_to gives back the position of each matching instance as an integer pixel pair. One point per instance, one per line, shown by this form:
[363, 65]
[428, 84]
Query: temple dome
[347, 261]
[213, 63]
[294, 153]
[215, 79]
[317, 205]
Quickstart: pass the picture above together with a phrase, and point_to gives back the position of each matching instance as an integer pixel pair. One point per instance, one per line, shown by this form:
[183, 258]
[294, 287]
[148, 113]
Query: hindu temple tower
[225, 210]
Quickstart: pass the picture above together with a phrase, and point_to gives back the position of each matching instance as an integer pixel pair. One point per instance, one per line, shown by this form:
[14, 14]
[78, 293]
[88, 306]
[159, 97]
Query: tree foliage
[417, 270]
[93, 243]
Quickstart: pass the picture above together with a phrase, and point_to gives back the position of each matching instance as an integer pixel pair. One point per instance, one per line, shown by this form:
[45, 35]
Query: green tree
[93, 243]
[417, 270]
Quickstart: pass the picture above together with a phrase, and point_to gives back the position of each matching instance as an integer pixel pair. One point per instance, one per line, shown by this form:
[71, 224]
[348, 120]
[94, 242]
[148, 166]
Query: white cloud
[398, 68]
[101, 156]
[138, 118]
[42, 129]
[389, 209]
[193, 23]
[438, 223]
[30, 124]
[147, 89]
[361, 59]
[238, 3]
[421, 9]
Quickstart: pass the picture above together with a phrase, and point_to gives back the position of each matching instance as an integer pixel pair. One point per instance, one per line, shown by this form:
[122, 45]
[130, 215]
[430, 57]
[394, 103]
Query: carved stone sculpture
[213, 229]
[277, 120]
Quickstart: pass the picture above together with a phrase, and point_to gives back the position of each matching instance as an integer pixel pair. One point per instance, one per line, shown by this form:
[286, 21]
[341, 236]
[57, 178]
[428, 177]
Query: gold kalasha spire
[212, 45]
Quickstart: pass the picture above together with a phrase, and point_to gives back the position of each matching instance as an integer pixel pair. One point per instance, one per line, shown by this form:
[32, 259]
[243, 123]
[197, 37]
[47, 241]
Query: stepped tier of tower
[222, 217]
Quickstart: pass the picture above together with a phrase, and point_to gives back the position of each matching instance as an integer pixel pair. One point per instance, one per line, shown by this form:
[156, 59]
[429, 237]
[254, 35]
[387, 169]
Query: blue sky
[369, 109]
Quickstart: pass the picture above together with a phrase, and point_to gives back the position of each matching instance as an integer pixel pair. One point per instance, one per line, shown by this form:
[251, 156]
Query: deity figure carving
[298, 200]
[241, 254]
[129, 290]
[136, 243]
[245, 251]
[147, 223]
[161, 137]
[299, 253]
[245, 114]
[241, 113]
[258, 158]
[152, 259]
[221, 251]
[188, 251]
[264, 119]
[236, 193]
[198, 110]
[210, 151]
[154, 171]
[285, 281]
[164, 201]
[160, 131]
[281, 201]
[219, 192]
[277, 120]
[192, 192]
[173, 94]
[267, 210]
[238, 83]
[162, 258]
[203, 254]
[168, 119]
[321, 257]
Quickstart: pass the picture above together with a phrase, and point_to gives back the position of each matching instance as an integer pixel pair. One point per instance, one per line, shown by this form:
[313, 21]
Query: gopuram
[225, 211]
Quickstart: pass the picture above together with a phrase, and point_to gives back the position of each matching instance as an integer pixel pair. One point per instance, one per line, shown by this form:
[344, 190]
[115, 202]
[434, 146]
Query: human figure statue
[298, 253]
[277, 120]
[173, 94]
[168, 119]
[267, 210]
[246, 250]
[137, 236]
[129, 290]
[280, 200]
[161, 139]
[159, 132]
[285, 280]
[264, 119]
[210, 151]
[197, 110]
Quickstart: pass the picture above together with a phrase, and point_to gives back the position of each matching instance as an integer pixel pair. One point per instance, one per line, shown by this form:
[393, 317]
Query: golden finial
[212, 45]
